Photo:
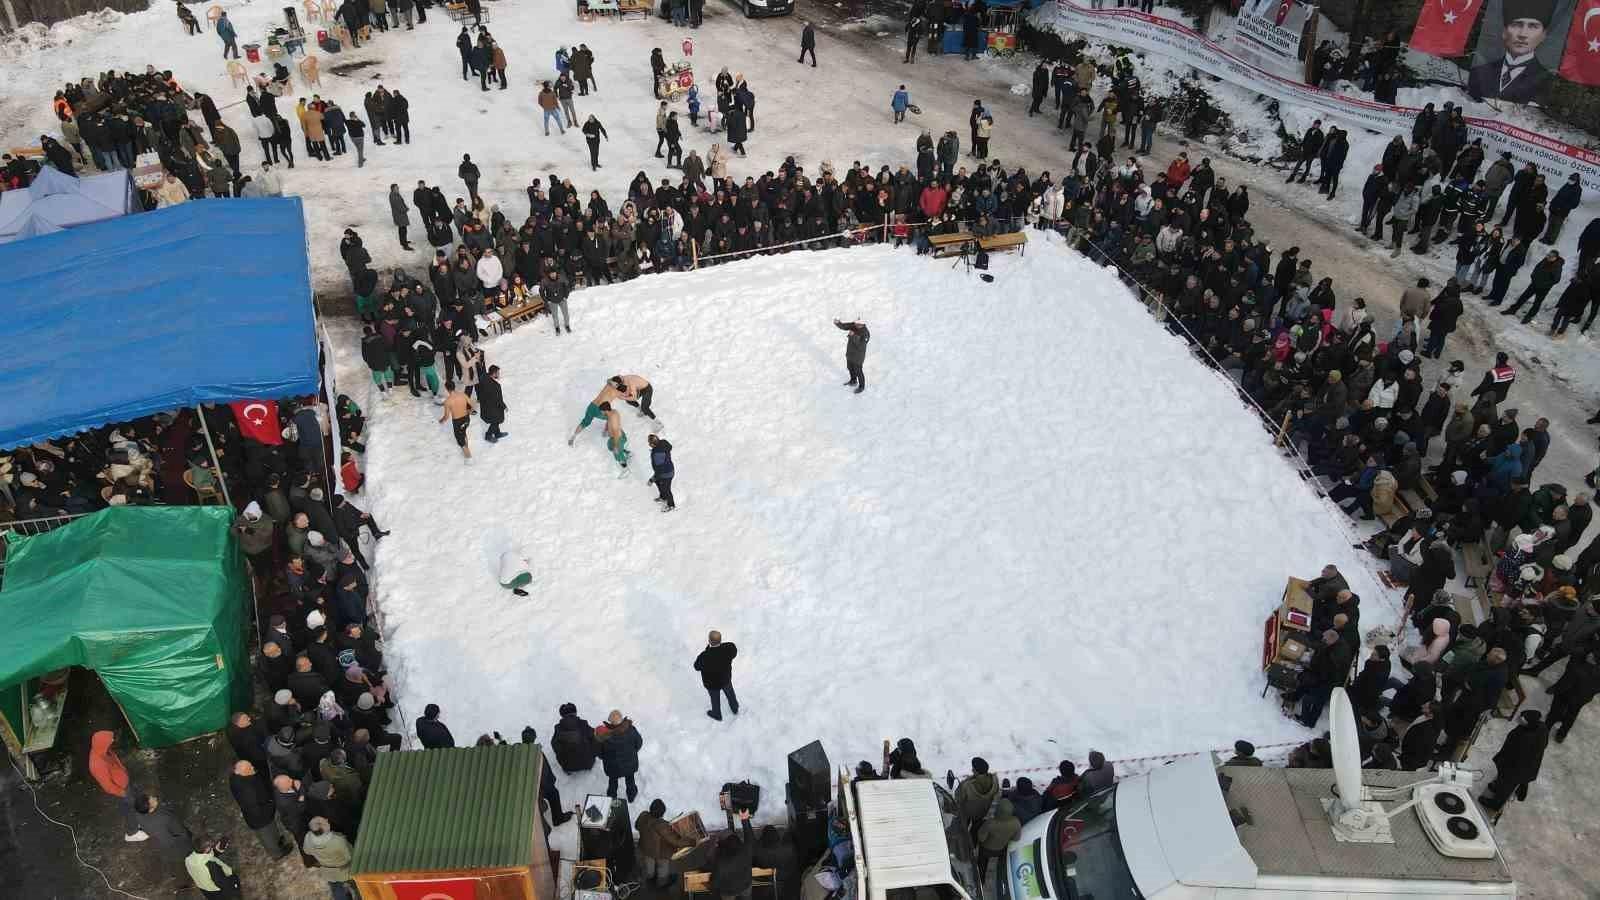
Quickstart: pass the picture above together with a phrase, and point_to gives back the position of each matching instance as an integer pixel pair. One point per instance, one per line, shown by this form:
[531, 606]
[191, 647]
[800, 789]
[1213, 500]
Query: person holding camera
[212, 876]
[855, 352]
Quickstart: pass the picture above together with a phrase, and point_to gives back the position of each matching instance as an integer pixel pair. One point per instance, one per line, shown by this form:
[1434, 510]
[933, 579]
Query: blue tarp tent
[55, 201]
[207, 301]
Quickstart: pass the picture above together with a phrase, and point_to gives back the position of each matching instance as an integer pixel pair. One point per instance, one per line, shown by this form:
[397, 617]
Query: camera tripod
[965, 257]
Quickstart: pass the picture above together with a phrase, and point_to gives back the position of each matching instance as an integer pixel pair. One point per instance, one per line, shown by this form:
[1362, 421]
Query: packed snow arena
[1021, 462]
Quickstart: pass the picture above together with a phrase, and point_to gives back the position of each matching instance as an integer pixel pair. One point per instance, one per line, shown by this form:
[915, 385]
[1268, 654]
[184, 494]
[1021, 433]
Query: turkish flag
[258, 420]
[1283, 12]
[1581, 62]
[441, 889]
[1443, 26]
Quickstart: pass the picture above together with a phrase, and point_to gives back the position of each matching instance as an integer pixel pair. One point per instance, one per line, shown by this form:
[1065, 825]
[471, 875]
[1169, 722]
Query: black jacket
[855, 349]
[250, 743]
[433, 734]
[1408, 700]
[731, 873]
[1418, 745]
[619, 749]
[254, 799]
[1522, 753]
[715, 665]
[574, 744]
[491, 401]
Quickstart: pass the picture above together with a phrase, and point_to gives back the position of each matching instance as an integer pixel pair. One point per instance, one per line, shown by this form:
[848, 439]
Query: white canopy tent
[55, 201]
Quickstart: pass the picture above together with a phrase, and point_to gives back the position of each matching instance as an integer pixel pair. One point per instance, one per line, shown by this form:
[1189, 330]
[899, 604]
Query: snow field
[1043, 529]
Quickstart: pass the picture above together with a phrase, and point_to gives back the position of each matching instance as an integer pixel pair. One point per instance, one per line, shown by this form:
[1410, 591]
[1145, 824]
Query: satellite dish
[1346, 753]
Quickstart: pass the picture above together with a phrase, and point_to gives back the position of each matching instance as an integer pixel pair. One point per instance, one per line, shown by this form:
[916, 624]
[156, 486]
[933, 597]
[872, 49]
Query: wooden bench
[34, 152]
[1002, 243]
[628, 7]
[949, 244]
[700, 882]
[459, 12]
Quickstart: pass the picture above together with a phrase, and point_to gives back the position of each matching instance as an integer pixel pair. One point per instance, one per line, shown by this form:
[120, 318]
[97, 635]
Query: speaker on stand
[807, 794]
[605, 832]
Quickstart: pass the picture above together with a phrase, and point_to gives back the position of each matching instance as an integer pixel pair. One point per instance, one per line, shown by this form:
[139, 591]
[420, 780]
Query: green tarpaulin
[153, 599]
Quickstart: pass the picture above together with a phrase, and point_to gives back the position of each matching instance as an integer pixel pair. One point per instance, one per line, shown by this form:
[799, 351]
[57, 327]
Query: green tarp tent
[153, 599]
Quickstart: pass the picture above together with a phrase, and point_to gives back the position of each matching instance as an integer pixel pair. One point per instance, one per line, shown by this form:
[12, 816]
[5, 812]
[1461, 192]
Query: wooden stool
[212, 15]
[695, 883]
[238, 72]
[313, 11]
[309, 71]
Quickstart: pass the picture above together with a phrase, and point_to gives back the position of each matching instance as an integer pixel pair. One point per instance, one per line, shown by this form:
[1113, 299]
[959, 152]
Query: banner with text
[1268, 35]
[1129, 28]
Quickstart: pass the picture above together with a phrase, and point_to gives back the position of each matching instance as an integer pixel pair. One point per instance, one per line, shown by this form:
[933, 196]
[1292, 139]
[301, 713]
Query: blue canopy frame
[208, 301]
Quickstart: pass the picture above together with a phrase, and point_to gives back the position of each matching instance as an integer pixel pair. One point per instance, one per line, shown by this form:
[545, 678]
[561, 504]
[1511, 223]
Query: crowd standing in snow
[1357, 401]
[1457, 214]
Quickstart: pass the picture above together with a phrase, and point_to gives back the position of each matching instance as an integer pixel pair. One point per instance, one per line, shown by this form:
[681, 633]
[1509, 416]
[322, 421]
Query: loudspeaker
[808, 829]
[605, 832]
[810, 785]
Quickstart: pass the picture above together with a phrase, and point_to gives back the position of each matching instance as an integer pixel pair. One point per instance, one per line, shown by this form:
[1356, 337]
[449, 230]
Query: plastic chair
[313, 11]
[330, 10]
[212, 15]
[309, 71]
[207, 494]
[238, 72]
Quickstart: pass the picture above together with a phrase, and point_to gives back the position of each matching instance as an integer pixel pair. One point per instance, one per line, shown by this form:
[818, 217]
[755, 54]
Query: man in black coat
[619, 744]
[573, 741]
[1517, 76]
[548, 792]
[1328, 670]
[250, 790]
[1517, 763]
[1420, 742]
[248, 738]
[730, 874]
[808, 44]
[431, 732]
[855, 352]
[492, 405]
[715, 665]
[289, 799]
[1572, 691]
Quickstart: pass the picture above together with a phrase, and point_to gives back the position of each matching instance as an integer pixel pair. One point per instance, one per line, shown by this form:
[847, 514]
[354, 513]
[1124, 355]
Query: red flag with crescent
[1581, 62]
[258, 420]
[1443, 26]
[1283, 12]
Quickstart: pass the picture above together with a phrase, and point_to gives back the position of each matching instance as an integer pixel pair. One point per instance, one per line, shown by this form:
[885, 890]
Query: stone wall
[21, 12]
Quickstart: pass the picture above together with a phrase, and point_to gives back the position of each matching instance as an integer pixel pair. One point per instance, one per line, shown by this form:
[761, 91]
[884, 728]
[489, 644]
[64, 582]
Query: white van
[1168, 835]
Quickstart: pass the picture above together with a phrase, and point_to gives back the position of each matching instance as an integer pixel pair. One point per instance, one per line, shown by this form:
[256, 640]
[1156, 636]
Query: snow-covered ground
[984, 551]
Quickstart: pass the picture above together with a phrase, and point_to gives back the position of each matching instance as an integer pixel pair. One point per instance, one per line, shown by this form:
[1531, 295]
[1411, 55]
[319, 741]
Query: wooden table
[949, 244]
[1000, 243]
[1285, 635]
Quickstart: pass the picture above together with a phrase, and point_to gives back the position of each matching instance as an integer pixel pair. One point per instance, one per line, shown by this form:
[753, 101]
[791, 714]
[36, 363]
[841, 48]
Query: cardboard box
[1291, 650]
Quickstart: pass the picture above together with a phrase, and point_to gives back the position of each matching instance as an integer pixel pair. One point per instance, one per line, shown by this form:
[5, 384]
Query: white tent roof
[55, 201]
